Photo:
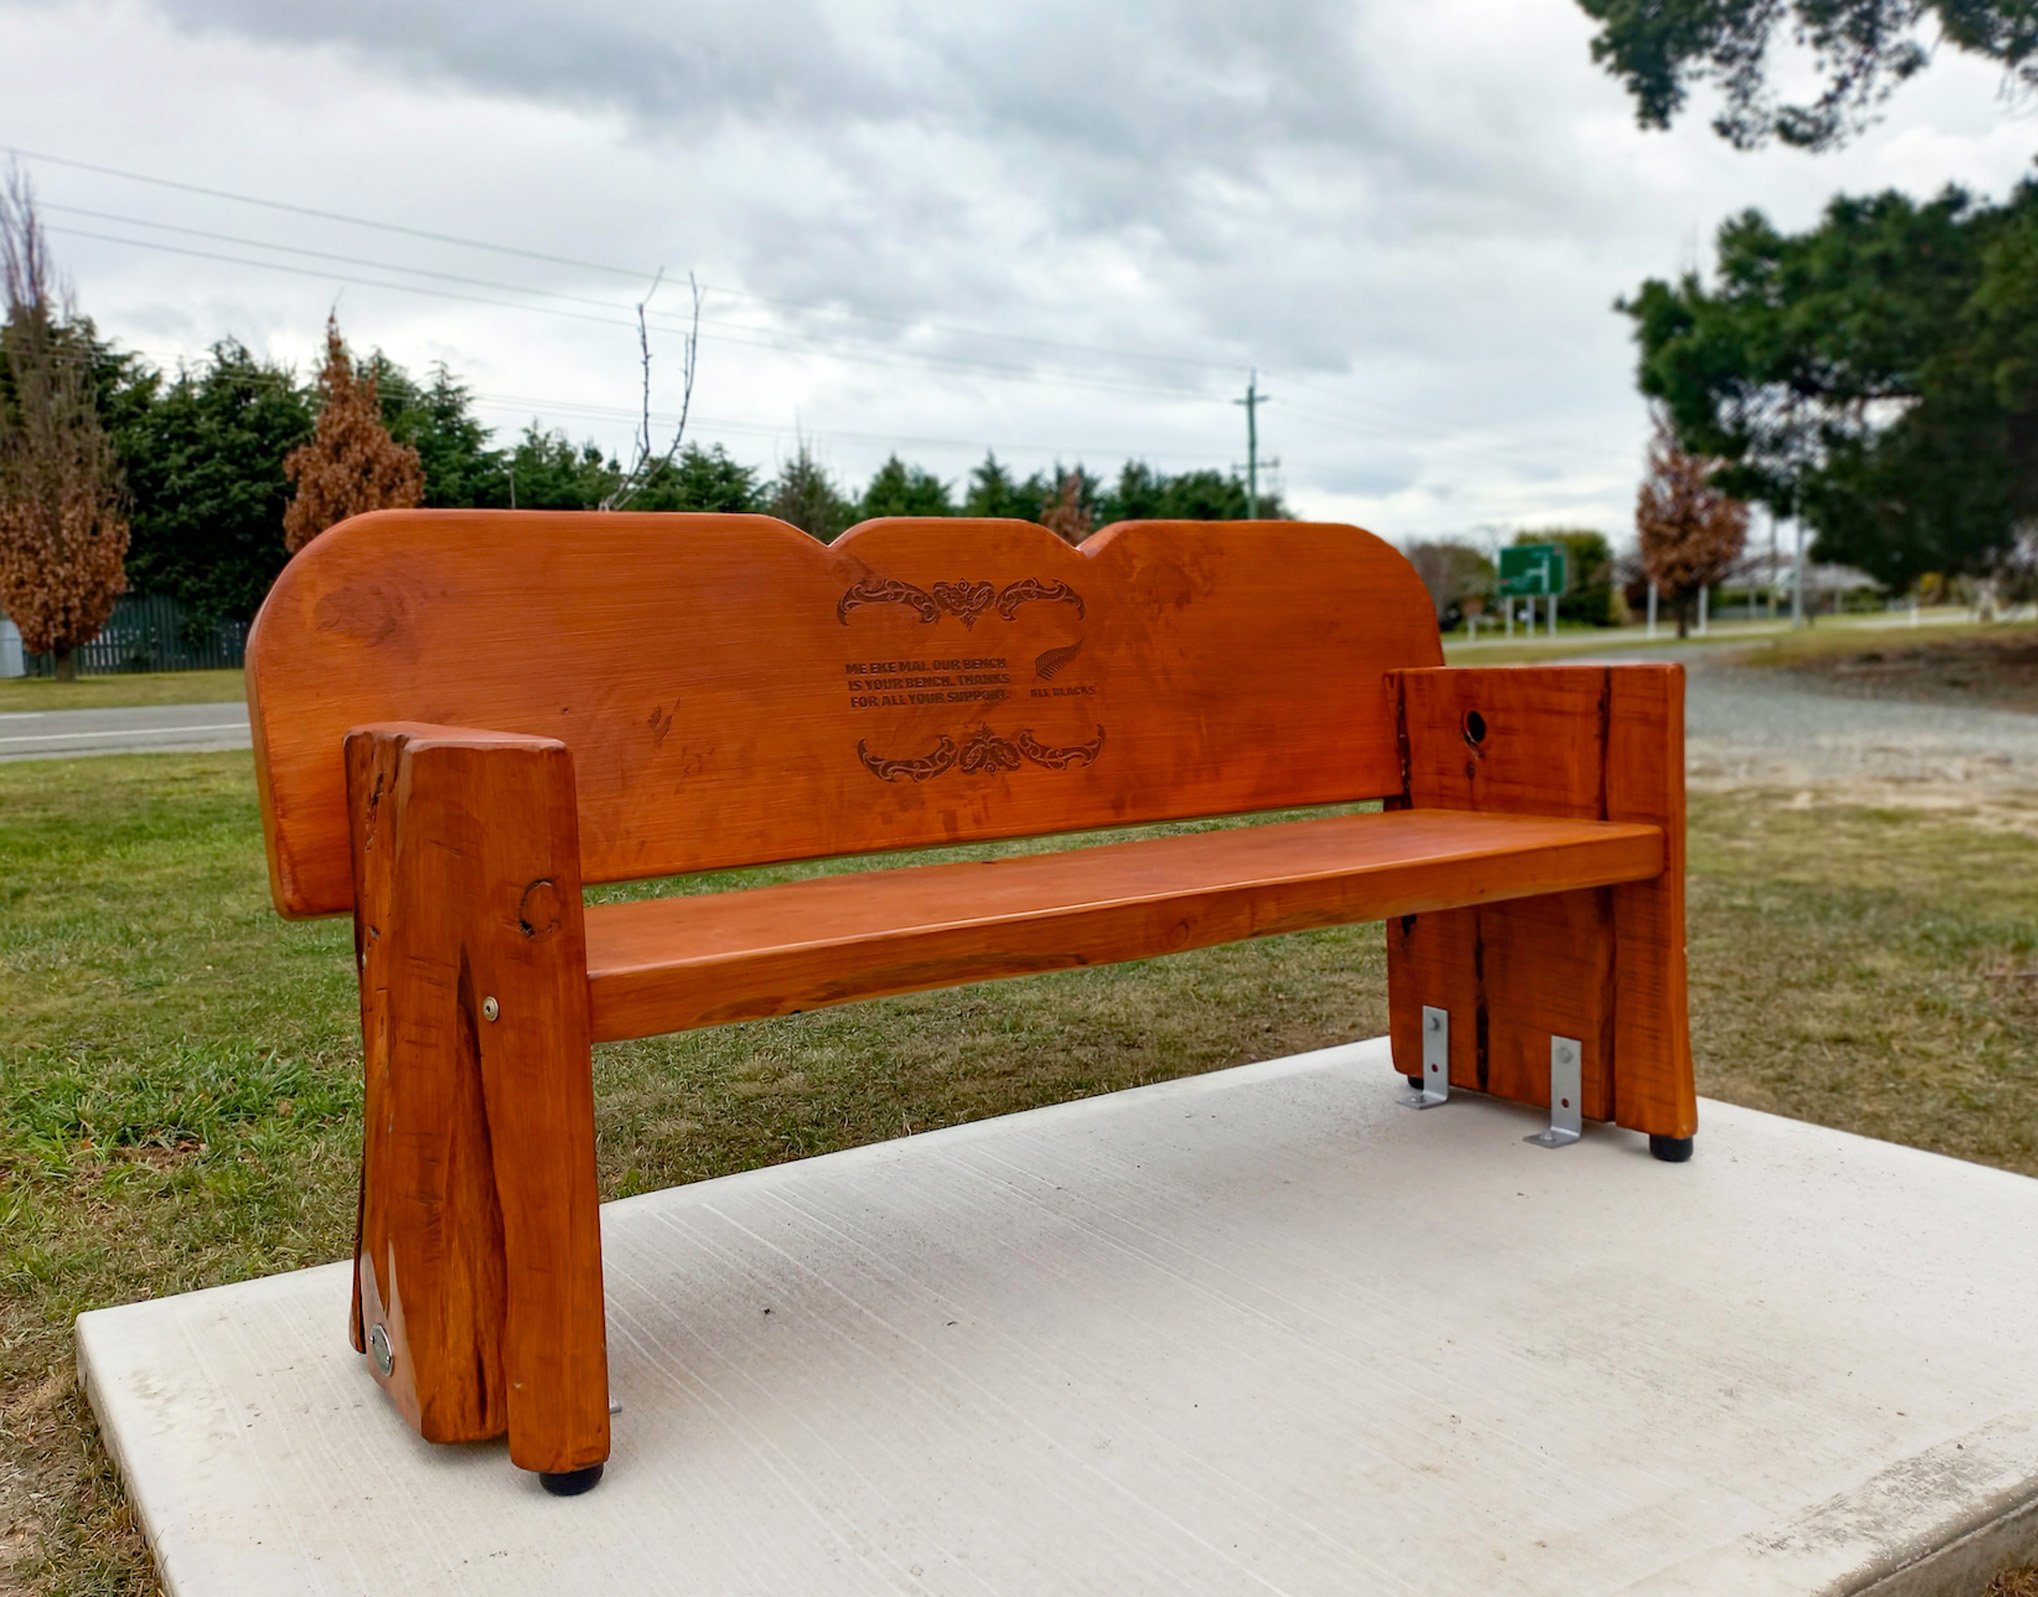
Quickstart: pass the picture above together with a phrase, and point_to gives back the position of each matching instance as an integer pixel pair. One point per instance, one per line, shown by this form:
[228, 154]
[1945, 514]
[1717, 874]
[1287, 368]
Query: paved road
[146, 729]
[1743, 728]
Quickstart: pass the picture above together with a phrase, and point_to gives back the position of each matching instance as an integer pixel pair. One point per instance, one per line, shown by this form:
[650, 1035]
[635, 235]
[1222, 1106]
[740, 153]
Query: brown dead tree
[63, 532]
[350, 465]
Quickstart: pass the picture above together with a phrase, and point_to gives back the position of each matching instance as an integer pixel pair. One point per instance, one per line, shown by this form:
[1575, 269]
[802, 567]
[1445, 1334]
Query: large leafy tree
[1880, 368]
[1691, 532]
[63, 527]
[204, 458]
[1861, 51]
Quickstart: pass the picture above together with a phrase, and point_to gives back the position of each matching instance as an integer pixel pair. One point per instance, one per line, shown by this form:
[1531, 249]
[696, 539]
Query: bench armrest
[1587, 742]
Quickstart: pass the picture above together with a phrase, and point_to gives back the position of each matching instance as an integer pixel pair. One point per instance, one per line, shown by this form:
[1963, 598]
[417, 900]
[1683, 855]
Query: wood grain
[1605, 966]
[479, 1248]
[733, 692]
[669, 964]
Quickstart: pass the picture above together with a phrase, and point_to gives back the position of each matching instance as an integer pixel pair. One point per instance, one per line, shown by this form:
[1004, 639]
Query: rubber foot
[1414, 1081]
[570, 1483]
[1671, 1150]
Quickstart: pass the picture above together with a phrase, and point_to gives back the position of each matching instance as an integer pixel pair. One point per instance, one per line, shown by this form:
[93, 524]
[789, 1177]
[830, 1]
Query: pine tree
[1691, 533]
[63, 532]
[806, 496]
[351, 465]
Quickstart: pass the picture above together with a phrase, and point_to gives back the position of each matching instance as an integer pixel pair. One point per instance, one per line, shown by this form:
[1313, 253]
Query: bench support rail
[1603, 966]
[477, 1265]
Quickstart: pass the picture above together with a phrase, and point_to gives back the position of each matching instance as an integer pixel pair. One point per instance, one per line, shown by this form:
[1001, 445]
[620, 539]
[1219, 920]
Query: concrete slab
[1261, 1331]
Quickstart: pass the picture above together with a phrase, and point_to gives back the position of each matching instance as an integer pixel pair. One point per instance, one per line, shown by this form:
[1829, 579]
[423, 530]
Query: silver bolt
[1564, 1052]
[1436, 1022]
[490, 1009]
[380, 1350]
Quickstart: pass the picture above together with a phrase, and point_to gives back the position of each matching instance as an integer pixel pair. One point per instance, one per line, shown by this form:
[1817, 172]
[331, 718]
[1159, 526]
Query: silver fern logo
[1048, 665]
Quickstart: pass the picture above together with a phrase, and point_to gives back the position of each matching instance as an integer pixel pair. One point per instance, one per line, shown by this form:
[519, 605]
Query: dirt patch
[1996, 669]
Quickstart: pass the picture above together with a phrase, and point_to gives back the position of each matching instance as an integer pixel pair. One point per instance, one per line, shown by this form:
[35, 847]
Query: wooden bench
[463, 718]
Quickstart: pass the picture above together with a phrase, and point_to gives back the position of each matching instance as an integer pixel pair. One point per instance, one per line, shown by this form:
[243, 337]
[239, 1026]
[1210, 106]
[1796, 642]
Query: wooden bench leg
[1605, 966]
[478, 1289]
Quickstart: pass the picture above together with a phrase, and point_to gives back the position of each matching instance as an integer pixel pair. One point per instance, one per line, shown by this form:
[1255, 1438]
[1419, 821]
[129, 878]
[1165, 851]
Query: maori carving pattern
[1031, 588]
[967, 601]
[882, 590]
[964, 600]
[908, 770]
[982, 753]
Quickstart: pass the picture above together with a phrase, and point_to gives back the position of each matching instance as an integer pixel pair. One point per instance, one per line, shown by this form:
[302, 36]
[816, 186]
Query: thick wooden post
[478, 1293]
[1604, 965]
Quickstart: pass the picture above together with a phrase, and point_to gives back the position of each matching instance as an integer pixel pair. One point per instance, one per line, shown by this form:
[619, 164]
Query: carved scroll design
[982, 753]
[965, 600]
[1061, 759]
[890, 770]
[882, 590]
[1029, 589]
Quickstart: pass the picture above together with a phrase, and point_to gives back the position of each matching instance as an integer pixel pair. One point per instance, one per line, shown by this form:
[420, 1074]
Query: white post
[1553, 615]
[1507, 609]
[1652, 608]
[1704, 606]
[1914, 607]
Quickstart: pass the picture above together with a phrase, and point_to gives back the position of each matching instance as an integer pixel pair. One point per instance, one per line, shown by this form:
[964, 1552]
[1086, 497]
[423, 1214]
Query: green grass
[179, 1091]
[105, 693]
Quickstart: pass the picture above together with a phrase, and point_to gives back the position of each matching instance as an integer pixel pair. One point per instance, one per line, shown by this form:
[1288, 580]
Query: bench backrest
[736, 692]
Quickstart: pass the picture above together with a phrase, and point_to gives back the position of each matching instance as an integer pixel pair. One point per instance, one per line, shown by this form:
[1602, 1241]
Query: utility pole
[1252, 402]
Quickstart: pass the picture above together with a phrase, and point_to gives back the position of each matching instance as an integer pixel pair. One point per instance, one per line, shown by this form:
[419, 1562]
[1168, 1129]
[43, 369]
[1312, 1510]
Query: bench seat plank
[672, 964]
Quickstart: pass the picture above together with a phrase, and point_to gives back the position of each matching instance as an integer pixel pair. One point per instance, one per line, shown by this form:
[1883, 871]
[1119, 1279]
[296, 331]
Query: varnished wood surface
[669, 964]
[1605, 966]
[479, 1247]
[733, 692]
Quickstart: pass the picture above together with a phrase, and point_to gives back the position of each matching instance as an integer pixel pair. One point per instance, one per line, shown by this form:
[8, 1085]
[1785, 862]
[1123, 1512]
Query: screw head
[380, 1350]
[490, 1009]
[1566, 1052]
[1436, 1022]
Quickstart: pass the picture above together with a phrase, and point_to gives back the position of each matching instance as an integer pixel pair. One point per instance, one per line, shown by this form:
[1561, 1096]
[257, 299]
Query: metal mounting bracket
[1567, 1075]
[1436, 1060]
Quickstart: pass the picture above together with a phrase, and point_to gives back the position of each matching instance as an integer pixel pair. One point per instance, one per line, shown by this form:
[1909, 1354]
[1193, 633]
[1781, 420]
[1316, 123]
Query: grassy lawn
[105, 693]
[179, 1093]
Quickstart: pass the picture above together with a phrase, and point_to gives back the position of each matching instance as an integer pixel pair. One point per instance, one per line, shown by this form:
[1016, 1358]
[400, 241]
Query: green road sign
[1532, 571]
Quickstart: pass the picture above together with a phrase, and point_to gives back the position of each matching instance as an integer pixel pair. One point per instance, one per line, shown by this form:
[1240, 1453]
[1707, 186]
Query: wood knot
[542, 908]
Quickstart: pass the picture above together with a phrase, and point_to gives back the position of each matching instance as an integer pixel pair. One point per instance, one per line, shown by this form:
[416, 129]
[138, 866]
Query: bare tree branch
[646, 466]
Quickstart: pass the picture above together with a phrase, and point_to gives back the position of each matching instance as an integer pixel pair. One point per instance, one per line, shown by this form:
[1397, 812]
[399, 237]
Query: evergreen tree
[806, 496]
[461, 470]
[204, 461]
[994, 491]
[902, 490]
[700, 479]
[547, 471]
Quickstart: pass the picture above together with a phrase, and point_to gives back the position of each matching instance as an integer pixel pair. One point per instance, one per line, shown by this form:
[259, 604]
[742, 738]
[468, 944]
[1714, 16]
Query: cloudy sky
[1050, 228]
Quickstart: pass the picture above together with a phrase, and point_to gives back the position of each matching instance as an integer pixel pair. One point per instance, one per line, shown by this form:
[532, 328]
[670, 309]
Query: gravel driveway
[1778, 729]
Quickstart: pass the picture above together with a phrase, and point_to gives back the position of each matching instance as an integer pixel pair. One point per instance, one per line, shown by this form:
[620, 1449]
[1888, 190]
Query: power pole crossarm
[1252, 402]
